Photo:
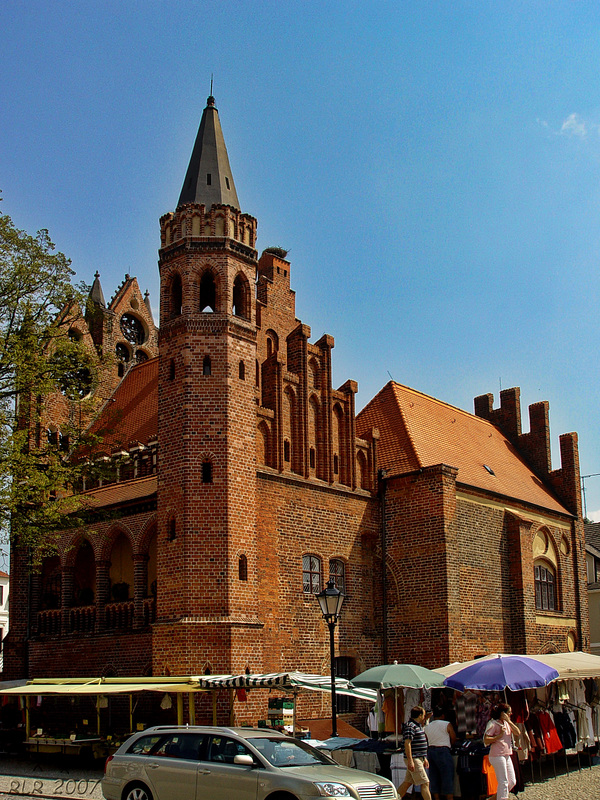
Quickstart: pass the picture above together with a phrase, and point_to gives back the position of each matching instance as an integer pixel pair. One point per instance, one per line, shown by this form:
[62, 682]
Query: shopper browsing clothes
[440, 736]
[498, 735]
[415, 753]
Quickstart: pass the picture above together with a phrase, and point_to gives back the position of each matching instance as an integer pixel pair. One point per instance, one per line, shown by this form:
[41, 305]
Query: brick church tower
[206, 568]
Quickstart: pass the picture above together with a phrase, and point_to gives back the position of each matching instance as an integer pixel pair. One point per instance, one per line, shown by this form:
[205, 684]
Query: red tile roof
[131, 414]
[419, 431]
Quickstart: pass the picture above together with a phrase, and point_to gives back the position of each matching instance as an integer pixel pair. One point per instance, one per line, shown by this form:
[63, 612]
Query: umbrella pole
[295, 698]
[396, 712]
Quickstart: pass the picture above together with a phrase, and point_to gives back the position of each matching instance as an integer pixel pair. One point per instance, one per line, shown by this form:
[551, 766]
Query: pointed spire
[208, 179]
[147, 303]
[96, 293]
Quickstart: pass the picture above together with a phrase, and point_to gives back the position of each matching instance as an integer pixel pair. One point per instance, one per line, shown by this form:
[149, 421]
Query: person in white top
[498, 735]
[440, 738]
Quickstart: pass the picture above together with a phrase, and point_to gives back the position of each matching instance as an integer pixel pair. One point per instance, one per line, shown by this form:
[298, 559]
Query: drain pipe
[382, 475]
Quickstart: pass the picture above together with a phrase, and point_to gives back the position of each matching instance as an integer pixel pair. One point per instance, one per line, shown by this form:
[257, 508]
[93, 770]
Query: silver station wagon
[205, 763]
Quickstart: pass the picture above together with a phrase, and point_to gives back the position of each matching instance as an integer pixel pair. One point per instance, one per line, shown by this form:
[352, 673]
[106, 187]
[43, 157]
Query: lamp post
[331, 600]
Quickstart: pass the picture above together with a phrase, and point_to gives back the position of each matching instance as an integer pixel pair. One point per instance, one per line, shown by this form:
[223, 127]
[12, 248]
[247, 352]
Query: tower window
[336, 465]
[242, 371]
[243, 568]
[312, 457]
[176, 296]
[227, 183]
[172, 529]
[207, 471]
[208, 179]
[207, 366]
[286, 450]
[241, 297]
[208, 293]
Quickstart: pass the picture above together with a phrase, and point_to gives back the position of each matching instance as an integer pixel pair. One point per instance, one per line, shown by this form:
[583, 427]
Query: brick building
[241, 480]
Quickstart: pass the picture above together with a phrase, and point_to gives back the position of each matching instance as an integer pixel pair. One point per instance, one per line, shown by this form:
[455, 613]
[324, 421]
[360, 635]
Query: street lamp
[331, 600]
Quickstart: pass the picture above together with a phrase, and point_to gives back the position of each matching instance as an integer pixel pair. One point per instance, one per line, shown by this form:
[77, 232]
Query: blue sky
[432, 167]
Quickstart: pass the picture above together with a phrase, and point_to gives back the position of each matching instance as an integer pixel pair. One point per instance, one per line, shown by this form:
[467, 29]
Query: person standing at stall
[440, 736]
[415, 753]
[498, 735]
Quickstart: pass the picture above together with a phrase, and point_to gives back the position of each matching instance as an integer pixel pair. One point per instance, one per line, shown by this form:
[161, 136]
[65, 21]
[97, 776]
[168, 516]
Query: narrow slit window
[207, 472]
[208, 179]
[207, 366]
[242, 371]
[286, 450]
[227, 183]
[243, 568]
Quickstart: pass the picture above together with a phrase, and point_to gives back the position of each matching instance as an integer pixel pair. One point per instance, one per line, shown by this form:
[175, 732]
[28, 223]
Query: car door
[172, 768]
[219, 778]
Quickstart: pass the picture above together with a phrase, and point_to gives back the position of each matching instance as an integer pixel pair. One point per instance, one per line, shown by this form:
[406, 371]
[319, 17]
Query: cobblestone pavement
[584, 785]
[47, 779]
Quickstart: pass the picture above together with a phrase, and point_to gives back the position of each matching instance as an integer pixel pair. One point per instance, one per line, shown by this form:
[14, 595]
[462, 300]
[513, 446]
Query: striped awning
[284, 681]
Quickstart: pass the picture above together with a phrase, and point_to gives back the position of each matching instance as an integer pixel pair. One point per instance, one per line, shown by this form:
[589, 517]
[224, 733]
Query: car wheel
[137, 791]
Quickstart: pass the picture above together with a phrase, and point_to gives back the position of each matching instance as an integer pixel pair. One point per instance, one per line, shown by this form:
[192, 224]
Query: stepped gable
[418, 431]
[131, 413]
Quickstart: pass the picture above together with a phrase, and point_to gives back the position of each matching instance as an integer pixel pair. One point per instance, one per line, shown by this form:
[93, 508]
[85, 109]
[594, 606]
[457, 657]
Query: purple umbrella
[502, 672]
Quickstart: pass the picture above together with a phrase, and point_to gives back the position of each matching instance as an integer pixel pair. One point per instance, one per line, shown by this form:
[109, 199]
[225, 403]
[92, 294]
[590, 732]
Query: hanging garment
[523, 743]
[565, 729]
[490, 776]
[466, 713]
[552, 742]
[398, 769]
[343, 757]
[366, 761]
[519, 705]
[411, 698]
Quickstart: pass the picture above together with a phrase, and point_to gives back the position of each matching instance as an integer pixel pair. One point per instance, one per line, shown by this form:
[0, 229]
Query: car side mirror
[244, 760]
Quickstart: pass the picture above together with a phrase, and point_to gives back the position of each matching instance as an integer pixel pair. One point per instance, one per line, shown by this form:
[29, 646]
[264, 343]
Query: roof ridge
[407, 427]
[439, 402]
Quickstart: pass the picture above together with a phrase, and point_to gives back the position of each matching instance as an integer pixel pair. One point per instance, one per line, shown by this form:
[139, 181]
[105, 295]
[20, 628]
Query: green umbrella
[395, 676]
[392, 676]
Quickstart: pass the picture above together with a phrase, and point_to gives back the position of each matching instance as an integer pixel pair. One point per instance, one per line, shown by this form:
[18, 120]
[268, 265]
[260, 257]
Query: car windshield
[288, 752]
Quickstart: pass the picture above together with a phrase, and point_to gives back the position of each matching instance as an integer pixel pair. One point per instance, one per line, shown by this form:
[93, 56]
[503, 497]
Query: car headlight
[329, 789]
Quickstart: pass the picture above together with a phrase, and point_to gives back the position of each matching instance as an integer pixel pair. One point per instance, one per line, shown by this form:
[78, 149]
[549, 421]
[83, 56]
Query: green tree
[38, 356]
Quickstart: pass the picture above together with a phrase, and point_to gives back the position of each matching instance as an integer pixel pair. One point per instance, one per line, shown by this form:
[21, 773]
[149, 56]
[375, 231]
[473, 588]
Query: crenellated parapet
[535, 444]
[196, 221]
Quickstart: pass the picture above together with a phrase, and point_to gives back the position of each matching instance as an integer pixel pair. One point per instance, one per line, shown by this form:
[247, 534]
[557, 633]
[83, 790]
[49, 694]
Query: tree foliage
[38, 356]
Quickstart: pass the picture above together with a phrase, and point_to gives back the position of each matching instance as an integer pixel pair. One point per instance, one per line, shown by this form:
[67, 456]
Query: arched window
[121, 569]
[262, 445]
[207, 366]
[208, 293]
[243, 568]
[172, 529]
[242, 371]
[51, 583]
[176, 296]
[85, 575]
[314, 373]
[337, 573]
[241, 297]
[207, 471]
[311, 574]
[363, 475]
[545, 587]
[272, 342]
